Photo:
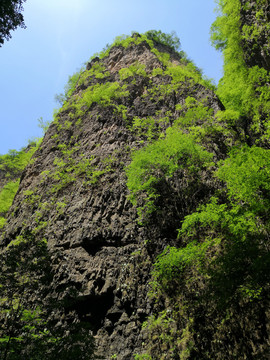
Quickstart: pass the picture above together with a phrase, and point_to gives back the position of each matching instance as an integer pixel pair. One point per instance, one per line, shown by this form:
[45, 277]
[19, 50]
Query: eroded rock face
[74, 195]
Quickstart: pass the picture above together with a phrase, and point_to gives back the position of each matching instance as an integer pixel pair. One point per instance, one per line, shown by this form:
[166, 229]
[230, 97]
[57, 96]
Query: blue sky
[62, 35]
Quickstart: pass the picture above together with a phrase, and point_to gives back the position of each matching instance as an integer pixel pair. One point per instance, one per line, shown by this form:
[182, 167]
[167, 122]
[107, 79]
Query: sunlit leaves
[247, 176]
[243, 89]
[160, 160]
[7, 194]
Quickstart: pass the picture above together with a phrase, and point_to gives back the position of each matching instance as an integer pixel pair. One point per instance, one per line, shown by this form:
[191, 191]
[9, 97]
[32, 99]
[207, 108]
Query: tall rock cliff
[73, 194]
[140, 229]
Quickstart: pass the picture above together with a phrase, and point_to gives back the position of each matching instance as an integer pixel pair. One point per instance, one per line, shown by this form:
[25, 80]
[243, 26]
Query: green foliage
[166, 339]
[10, 18]
[172, 262]
[44, 125]
[28, 328]
[122, 110]
[68, 170]
[160, 160]
[157, 71]
[121, 40]
[69, 87]
[226, 30]
[219, 271]
[101, 94]
[7, 195]
[2, 222]
[104, 93]
[240, 222]
[97, 71]
[142, 357]
[15, 161]
[170, 40]
[199, 120]
[80, 78]
[12, 165]
[164, 58]
[223, 262]
[150, 37]
[134, 69]
[19, 324]
[188, 72]
[248, 98]
[149, 127]
[247, 176]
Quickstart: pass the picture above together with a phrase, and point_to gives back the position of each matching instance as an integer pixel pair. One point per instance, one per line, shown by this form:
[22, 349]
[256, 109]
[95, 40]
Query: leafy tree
[171, 40]
[10, 18]
[69, 88]
[44, 125]
[29, 312]
[13, 163]
[247, 100]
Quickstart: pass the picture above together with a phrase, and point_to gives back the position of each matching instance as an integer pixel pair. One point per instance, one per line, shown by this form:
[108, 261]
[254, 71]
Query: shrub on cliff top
[171, 40]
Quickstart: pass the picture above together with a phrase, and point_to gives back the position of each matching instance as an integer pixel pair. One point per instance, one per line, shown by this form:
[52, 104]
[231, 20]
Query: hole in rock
[93, 309]
[94, 245]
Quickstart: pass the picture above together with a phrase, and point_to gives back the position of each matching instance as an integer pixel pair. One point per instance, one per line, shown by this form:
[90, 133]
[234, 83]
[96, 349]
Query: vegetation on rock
[197, 174]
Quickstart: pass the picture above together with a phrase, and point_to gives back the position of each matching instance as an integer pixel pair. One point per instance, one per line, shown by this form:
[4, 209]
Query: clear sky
[62, 35]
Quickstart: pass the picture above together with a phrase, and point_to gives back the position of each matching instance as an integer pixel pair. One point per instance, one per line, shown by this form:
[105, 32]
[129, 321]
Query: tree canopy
[10, 18]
